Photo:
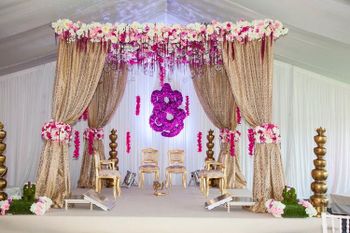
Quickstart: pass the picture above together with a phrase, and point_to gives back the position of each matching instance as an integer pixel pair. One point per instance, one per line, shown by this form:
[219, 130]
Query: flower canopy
[195, 43]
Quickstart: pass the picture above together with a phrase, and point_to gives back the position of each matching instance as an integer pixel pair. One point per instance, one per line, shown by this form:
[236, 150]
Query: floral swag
[91, 134]
[149, 43]
[56, 132]
[265, 133]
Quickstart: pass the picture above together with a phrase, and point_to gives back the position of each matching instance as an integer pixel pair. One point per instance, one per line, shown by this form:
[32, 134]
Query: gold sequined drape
[78, 71]
[105, 101]
[250, 77]
[215, 95]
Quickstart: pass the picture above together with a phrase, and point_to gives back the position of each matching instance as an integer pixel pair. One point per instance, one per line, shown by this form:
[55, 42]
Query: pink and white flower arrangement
[195, 43]
[266, 133]
[41, 206]
[57, 131]
[309, 209]
[276, 208]
[91, 134]
[4, 206]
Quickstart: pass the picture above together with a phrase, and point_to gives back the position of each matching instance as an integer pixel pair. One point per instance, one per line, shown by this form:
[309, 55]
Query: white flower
[311, 211]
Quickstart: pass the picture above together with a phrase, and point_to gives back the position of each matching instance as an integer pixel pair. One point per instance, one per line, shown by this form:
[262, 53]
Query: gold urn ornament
[113, 153]
[3, 168]
[210, 145]
[319, 174]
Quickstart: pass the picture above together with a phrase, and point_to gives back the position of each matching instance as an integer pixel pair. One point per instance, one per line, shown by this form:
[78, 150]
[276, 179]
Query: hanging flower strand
[187, 107]
[76, 144]
[238, 115]
[199, 142]
[138, 100]
[128, 142]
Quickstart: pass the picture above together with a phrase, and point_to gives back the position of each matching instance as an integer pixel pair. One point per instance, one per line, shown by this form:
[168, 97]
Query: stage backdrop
[303, 101]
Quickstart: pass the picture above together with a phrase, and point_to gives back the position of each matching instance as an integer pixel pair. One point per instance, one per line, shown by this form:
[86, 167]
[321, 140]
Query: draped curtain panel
[215, 95]
[249, 67]
[104, 103]
[77, 74]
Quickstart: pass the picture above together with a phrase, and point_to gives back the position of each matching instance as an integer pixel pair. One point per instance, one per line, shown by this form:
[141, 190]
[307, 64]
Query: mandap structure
[244, 50]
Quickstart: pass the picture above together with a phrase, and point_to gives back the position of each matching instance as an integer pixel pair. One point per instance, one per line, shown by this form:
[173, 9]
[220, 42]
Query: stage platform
[137, 210]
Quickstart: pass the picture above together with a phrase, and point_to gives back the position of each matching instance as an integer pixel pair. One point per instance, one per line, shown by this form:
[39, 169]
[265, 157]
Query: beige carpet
[139, 211]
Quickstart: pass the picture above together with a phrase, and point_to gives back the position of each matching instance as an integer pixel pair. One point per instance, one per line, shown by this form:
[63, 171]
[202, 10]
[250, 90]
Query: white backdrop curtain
[302, 101]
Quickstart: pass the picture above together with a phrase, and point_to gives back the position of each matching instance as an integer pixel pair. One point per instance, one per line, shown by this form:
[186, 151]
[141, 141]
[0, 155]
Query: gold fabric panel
[250, 77]
[105, 101]
[215, 95]
[78, 71]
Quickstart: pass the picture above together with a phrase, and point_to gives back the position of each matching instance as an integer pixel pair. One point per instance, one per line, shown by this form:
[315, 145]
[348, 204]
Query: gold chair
[176, 160]
[109, 172]
[149, 164]
[213, 170]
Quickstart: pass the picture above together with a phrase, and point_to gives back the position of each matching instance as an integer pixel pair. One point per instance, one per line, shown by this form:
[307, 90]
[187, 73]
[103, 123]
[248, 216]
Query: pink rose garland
[92, 134]
[138, 100]
[128, 142]
[187, 106]
[76, 144]
[238, 116]
[199, 142]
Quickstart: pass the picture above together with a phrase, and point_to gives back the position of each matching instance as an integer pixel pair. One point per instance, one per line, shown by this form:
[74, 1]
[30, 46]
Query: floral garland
[196, 43]
[266, 133]
[56, 131]
[128, 142]
[39, 207]
[77, 144]
[85, 115]
[91, 134]
[276, 208]
[138, 100]
[230, 136]
[199, 141]
[187, 105]
[238, 116]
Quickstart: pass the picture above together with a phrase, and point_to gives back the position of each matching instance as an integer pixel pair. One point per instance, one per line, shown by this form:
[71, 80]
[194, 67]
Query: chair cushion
[176, 168]
[211, 173]
[109, 172]
[148, 168]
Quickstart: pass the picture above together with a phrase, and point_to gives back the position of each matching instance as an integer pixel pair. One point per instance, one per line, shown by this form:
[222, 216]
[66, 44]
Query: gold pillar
[113, 153]
[210, 146]
[3, 168]
[319, 186]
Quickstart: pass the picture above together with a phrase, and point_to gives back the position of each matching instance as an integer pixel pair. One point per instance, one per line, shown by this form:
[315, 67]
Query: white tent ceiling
[319, 37]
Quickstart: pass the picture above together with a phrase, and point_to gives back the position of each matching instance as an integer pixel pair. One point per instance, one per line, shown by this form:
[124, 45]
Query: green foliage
[29, 192]
[289, 196]
[294, 211]
[20, 207]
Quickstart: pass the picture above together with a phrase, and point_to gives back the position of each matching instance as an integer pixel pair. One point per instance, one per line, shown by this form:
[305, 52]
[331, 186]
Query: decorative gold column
[113, 153]
[319, 186]
[210, 145]
[3, 168]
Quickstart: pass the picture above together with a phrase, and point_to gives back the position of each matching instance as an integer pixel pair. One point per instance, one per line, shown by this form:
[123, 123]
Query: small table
[76, 199]
[240, 201]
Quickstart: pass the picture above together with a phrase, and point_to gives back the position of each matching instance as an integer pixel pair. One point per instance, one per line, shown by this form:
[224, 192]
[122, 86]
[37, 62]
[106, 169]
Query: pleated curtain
[78, 71]
[104, 103]
[215, 95]
[249, 68]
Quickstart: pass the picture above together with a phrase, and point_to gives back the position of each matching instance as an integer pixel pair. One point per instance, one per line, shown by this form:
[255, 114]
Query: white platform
[138, 210]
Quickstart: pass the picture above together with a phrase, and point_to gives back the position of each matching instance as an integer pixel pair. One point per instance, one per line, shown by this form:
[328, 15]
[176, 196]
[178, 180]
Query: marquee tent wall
[303, 101]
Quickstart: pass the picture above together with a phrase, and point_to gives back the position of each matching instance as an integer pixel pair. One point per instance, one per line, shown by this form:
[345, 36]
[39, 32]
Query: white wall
[303, 101]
